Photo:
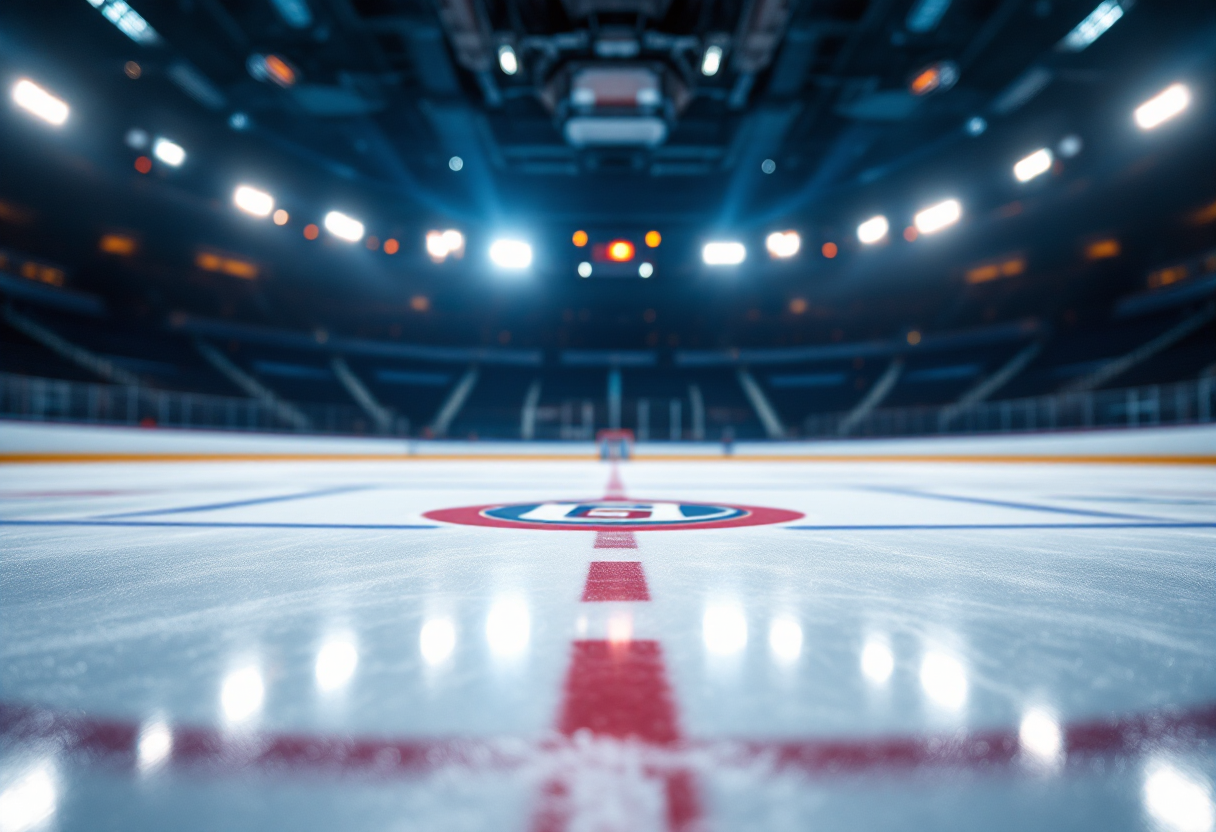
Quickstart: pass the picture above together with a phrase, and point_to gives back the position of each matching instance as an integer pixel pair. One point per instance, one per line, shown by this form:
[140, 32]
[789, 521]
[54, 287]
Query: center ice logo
[634, 515]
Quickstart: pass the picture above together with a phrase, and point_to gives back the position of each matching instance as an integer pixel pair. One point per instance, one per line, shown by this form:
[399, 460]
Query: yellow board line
[1098, 459]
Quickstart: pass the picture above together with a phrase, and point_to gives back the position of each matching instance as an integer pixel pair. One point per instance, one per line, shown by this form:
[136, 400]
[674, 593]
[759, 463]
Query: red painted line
[90, 739]
[614, 539]
[616, 488]
[616, 580]
[619, 690]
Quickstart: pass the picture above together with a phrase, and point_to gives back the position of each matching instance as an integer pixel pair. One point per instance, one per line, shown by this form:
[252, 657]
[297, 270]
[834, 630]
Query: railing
[1158, 404]
[44, 399]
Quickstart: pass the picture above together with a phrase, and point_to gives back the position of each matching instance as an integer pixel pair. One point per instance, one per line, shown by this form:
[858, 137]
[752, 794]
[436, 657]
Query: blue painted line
[1080, 512]
[967, 526]
[282, 498]
[183, 524]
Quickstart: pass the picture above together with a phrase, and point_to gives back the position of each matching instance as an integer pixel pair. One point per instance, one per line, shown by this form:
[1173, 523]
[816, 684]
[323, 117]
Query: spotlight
[343, 227]
[584, 269]
[1036, 164]
[939, 216]
[35, 100]
[443, 244]
[645, 270]
[579, 239]
[1163, 106]
[620, 251]
[724, 253]
[511, 254]
[508, 61]
[873, 230]
[653, 239]
[252, 201]
[712, 61]
[783, 244]
[455, 163]
[169, 152]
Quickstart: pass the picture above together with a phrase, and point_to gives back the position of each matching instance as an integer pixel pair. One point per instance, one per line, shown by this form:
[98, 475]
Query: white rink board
[922, 627]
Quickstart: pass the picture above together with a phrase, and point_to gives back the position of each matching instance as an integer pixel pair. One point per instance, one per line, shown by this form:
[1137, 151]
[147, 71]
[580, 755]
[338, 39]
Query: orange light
[914, 337]
[391, 246]
[620, 250]
[927, 81]
[579, 238]
[420, 303]
[910, 233]
[119, 244]
[798, 306]
[1103, 249]
[311, 232]
[280, 71]
[281, 217]
[143, 164]
[132, 69]
[212, 262]
[829, 250]
[653, 238]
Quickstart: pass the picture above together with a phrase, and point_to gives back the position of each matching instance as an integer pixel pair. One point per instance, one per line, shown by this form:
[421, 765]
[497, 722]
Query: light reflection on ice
[785, 639]
[620, 628]
[877, 660]
[1178, 800]
[724, 630]
[944, 680]
[30, 799]
[242, 693]
[437, 640]
[1040, 739]
[336, 663]
[155, 745]
[508, 627]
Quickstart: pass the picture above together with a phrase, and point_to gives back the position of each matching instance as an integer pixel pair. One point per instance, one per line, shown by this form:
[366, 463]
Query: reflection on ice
[242, 693]
[724, 630]
[877, 660]
[785, 639]
[336, 662]
[437, 640]
[620, 628]
[944, 680]
[508, 627]
[1178, 800]
[1040, 739]
[29, 800]
[155, 745]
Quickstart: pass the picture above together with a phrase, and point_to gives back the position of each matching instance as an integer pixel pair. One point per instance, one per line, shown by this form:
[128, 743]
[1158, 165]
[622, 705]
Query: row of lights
[1167, 104]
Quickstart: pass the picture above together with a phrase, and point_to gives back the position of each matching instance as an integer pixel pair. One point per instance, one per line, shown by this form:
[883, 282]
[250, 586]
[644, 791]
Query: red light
[829, 250]
[311, 232]
[143, 164]
[620, 250]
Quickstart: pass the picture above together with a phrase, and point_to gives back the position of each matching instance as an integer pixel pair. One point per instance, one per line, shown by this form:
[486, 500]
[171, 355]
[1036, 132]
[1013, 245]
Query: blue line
[1008, 526]
[172, 524]
[235, 503]
[909, 492]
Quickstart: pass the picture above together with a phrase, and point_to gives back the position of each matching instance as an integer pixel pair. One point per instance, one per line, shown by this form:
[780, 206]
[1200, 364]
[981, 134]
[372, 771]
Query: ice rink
[1012, 639]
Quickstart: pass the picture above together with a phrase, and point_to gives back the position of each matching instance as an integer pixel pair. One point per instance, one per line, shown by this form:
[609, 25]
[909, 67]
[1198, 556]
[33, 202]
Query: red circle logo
[618, 515]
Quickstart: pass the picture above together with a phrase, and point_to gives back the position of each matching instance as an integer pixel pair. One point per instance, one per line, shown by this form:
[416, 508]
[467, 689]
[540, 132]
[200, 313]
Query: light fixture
[925, 15]
[873, 230]
[1163, 106]
[936, 77]
[1069, 146]
[169, 152]
[508, 61]
[455, 163]
[1096, 23]
[711, 62]
[281, 217]
[937, 217]
[976, 125]
[35, 100]
[620, 251]
[344, 227]
[723, 253]
[645, 270]
[584, 269]
[295, 13]
[443, 244]
[128, 21]
[1036, 164]
[511, 254]
[653, 239]
[768, 166]
[783, 244]
[580, 238]
[252, 201]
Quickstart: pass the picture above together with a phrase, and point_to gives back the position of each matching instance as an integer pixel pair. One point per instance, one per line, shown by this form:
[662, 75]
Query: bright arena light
[35, 100]
[511, 254]
[620, 251]
[584, 269]
[1036, 164]
[782, 244]
[242, 693]
[443, 244]
[785, 639]
[336, 663]
[723, 254]
[712, 61]
[344, 227]
[1163, 106]
[508, 61]
[944, 680]
[1094, 25]
[877, 660]
[645, 270]
[1040, 738]
[873, 230]
[252, 201]
[437, 640]
[169, 152]
[724, 630]
[937, 217]
[1178, 800]
[29, 799]
[155, 745]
